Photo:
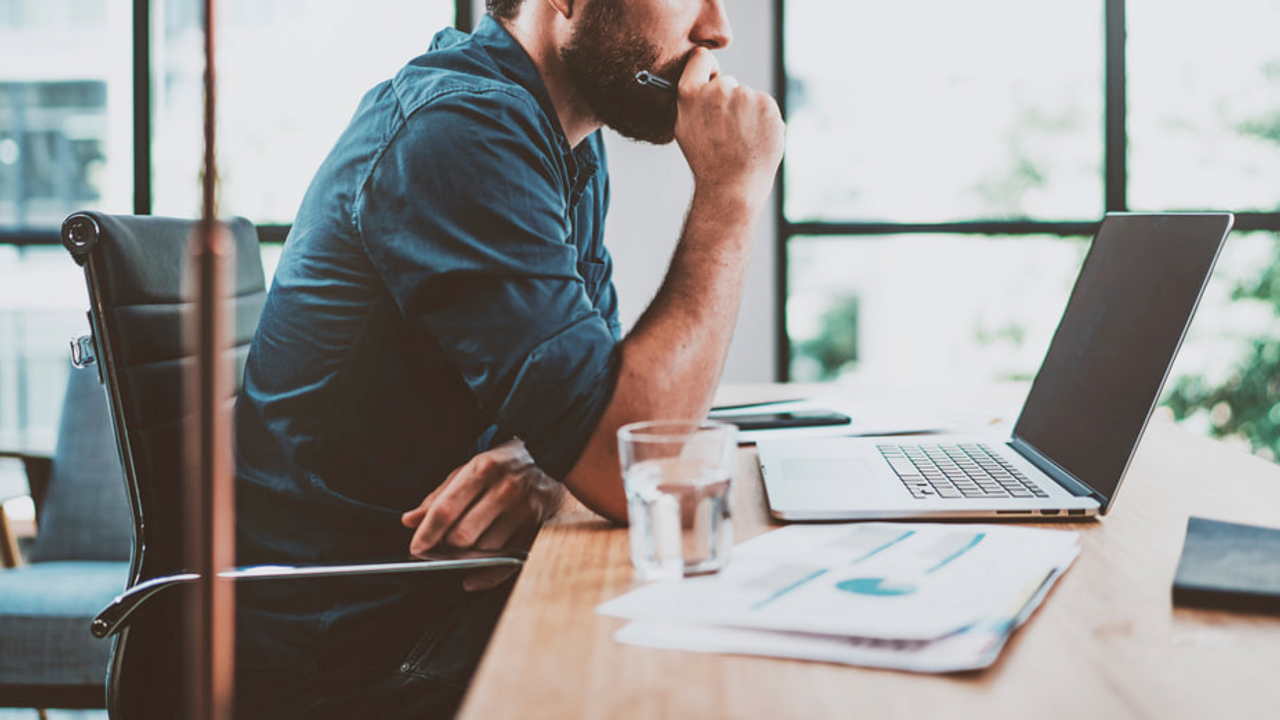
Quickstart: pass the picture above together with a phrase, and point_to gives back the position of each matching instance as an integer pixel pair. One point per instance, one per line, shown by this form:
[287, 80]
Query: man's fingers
[474, 503]
[445, 509]
[429, 532]
[412, 517]
[698, 71]
[483, 513]
[501, 533]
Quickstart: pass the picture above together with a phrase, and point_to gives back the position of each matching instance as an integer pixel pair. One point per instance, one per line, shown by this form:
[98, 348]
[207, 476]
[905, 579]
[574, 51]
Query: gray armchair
[78, 562]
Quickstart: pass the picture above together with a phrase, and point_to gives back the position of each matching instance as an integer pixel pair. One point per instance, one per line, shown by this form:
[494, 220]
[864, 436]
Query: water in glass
[679, 515]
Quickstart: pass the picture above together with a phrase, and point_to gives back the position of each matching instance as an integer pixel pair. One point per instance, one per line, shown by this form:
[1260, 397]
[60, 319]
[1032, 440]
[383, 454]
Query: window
[65, 144]
[42, 304]
[73, 74]
[932, 307]
[928, 111]
[1204, 106]
[946, 164]
[65, 87]
[290, 74]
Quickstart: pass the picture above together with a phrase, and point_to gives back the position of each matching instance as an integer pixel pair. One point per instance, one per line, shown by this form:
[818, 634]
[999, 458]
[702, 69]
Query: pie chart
[876, 586]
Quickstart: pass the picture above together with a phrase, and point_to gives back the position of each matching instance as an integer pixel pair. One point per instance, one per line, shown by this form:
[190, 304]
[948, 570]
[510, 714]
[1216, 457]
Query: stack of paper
[922, 597]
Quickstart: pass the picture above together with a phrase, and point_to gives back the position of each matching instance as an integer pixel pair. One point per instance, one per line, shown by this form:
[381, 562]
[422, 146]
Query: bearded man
[440, 354]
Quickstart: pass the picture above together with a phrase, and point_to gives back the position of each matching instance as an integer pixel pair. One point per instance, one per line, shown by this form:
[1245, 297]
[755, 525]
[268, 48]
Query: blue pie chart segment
[875, 586]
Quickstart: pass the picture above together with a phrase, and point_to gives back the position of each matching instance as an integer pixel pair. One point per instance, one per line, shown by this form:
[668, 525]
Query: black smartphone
[783, 419]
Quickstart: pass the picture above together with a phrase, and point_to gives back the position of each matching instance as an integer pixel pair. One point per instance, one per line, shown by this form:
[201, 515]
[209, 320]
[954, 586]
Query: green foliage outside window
[1247, 405]
[836, 347]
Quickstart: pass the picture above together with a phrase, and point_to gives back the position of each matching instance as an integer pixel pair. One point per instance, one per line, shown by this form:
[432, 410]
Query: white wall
[651, 190]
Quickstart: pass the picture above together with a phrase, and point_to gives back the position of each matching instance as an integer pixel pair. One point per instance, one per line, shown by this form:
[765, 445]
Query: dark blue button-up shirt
[444, 288]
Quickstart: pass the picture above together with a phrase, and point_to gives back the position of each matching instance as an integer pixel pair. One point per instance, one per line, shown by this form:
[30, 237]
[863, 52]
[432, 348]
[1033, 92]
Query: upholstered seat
[77, 564]
[45, 611]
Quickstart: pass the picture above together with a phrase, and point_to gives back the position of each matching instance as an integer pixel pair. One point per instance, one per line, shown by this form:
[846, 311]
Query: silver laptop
[1081, 422]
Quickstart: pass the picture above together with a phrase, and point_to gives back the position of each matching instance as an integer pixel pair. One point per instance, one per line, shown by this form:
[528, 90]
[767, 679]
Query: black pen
[648, 79]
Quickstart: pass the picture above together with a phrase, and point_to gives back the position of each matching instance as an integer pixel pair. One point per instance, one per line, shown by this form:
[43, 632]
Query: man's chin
[650, 130]
[646, 136]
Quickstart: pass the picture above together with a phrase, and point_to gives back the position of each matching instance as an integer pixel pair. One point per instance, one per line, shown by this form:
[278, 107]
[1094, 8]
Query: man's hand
[731, 136]
[497, 499]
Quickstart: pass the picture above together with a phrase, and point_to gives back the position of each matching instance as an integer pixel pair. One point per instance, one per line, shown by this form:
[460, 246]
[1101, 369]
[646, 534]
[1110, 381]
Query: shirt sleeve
[465, 216]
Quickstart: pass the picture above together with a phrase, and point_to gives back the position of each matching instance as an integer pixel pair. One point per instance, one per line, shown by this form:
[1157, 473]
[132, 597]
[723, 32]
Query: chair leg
[42, 713]
[9, 557]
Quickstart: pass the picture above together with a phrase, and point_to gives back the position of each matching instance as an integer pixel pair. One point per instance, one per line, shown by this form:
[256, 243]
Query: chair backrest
[84, 514]
[141, 280]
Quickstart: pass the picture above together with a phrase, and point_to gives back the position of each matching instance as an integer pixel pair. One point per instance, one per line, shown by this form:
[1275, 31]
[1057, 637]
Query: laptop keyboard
[967, 470]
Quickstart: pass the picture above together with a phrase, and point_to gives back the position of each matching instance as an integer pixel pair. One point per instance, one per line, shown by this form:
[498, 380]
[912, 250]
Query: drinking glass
[678, 475]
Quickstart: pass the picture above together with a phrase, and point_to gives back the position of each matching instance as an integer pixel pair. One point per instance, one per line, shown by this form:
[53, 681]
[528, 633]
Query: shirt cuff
[561, 393]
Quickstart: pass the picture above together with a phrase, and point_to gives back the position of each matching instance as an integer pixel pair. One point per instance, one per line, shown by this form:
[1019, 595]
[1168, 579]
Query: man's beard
[602, 60]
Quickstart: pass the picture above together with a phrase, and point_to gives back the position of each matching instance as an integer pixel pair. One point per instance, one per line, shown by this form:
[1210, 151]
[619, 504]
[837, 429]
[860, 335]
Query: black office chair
[138, 276]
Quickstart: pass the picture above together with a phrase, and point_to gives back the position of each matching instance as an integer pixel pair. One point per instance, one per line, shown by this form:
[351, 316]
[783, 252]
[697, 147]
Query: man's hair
[503, 9]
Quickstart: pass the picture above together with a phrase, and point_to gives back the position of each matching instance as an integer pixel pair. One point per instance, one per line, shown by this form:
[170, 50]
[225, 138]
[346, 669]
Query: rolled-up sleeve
[474, 240]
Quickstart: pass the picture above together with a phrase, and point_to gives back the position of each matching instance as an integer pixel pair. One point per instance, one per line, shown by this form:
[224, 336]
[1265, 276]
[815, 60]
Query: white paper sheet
[974, 648]
[892, 581]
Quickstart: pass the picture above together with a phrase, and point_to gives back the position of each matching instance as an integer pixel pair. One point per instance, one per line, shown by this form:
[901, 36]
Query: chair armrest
[116, 615]
[39, 468]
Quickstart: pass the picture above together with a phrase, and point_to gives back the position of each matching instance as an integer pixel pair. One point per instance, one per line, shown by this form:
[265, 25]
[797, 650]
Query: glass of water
[678, 475]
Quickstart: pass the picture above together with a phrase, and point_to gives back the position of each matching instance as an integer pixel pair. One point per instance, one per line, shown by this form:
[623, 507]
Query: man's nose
[712, 30]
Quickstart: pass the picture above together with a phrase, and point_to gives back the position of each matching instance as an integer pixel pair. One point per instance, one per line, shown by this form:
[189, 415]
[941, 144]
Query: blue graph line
[886, 546]
[788, 589]
[976, 539]
[882, 587]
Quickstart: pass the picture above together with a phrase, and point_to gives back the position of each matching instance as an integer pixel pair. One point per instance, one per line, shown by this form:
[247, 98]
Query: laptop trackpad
[825, 469]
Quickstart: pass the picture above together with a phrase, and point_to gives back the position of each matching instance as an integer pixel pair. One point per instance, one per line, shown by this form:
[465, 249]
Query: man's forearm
[731, 137]
[676, 352]
[671, 361]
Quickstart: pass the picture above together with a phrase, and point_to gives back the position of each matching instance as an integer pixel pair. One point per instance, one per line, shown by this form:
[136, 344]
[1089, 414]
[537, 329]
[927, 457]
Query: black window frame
[1115, 180]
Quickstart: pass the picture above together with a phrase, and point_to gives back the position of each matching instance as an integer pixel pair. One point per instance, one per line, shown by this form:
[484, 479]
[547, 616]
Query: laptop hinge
[1055, 471]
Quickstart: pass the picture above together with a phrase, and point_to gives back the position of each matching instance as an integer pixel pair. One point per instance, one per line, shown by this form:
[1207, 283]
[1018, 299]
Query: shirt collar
[515, 63]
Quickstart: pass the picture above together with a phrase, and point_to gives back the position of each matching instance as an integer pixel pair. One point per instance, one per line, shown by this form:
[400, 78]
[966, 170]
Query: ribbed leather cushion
[144, 270]
[85, 514]
[45, 610]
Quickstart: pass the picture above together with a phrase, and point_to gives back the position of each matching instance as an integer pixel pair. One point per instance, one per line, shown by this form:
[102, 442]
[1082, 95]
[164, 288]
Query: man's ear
[564, 7]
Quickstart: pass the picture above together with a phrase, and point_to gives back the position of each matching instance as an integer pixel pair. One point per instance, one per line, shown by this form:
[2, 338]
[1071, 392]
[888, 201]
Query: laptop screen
[1102, 375]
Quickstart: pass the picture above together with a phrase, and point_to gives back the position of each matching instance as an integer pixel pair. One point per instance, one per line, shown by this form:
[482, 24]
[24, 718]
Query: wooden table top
[1107, 642]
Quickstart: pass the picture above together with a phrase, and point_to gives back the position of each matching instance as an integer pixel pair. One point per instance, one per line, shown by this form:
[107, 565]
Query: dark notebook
[1228, 565]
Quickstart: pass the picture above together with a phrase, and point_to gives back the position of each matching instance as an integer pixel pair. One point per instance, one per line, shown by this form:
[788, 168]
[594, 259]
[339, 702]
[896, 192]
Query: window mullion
[1115, 161]
[142, 170]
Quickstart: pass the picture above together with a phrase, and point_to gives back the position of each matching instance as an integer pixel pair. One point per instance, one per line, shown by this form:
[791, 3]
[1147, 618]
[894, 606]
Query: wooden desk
[1106, 644]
